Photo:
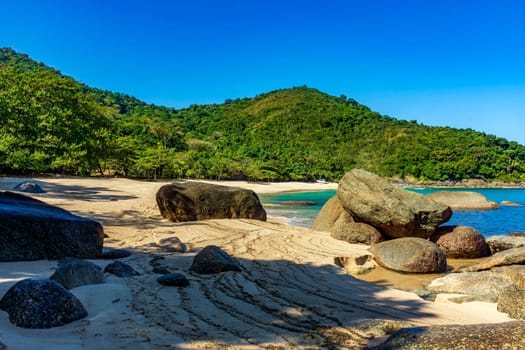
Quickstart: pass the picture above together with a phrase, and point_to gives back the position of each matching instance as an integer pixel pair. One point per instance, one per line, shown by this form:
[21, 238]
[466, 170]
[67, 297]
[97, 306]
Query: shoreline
[289, 293]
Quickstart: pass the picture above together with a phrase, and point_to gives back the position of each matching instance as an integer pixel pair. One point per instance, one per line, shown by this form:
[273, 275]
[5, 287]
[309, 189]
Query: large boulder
[391, 209]
[495, 336]
[463, 200]
[32, 230]
[212, 259]
[331, 212]
[191, 201]
[73, 272]
[41, 304]
[410, 254]
[461, 242]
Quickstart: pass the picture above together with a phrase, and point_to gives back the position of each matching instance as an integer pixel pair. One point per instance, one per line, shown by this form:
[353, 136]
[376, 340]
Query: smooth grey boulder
[192, 201]
[492, 336]
[73, 272]
[32, 230]
[212, 259]
[461, 242]
[410, 254]
[41, 304]
[396, 212]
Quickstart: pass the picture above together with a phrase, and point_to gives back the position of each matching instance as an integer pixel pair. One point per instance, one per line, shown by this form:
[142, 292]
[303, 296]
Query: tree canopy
[51, 123]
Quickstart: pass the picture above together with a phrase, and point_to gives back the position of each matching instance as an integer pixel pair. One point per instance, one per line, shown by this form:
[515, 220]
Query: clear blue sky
[441, 62]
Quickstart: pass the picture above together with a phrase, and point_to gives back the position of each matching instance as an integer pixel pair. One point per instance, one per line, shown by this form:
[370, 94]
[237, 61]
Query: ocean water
[489, 222]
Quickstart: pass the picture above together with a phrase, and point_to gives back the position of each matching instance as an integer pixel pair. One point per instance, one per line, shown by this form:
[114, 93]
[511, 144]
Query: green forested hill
[51, 123]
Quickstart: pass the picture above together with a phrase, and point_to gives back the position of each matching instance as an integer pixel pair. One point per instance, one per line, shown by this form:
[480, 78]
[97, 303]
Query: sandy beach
[290, 294]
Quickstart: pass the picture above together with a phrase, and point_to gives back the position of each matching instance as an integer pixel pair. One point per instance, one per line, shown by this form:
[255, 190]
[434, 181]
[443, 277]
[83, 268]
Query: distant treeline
[51, 123]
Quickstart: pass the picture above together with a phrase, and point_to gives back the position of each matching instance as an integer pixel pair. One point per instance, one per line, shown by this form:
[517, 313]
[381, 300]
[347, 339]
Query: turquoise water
[488, 222]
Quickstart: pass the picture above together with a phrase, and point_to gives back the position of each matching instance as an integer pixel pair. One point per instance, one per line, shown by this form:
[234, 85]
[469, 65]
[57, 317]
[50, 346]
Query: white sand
[290, 294]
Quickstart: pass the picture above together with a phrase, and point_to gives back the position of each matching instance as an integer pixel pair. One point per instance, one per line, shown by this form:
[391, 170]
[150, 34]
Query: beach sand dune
[289, 294]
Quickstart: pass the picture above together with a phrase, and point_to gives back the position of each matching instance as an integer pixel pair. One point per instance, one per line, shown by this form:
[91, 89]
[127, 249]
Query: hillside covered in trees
[50, 123]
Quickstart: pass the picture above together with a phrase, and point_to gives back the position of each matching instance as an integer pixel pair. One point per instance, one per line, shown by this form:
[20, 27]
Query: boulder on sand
[410, 254]
[41, 304]
[212, 259]
[192, 201]
[461, 242]
[32, 230]
[394, 211]
[73, 272]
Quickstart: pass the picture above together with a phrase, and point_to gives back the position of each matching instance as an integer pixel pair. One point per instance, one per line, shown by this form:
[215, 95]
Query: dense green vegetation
[50, 123]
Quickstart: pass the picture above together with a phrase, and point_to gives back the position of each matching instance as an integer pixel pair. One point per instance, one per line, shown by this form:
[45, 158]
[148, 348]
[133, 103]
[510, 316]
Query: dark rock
[496, 336]
[41, 304]
[463, 200]
[461, 242]
[482, 286]
[114, 253]
[173, 279]
[501, 243]
[73, 272]
[331, 212]
[356, 232]
[120, 269]
[172, 245]
[410, 254]
[213, 259]
[34, 230]
[191, 201]
[512, 301]
[506, 257]
[29, 187]
[394, 211]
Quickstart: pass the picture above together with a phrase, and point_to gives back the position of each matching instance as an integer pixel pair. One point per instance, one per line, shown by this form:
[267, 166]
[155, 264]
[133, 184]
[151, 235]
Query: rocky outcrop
[501, 243]
[410, 254]
[506, 257]
[73, 272]
[463, 200]
[212, 259]
[461, 242]
[355, 232]
[394, 211]
[480, 286]
[41, 304]
[120, 269]
[499, 336]
[331, 212]
[34, 230]
[192, 201]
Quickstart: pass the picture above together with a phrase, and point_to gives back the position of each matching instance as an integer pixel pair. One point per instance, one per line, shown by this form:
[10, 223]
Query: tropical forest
[52, 124]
